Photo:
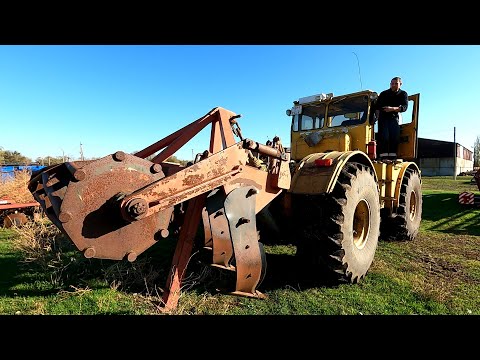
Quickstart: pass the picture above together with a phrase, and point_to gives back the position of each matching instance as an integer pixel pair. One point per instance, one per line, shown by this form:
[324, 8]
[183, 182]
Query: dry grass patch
[44, 245]
[16, 188]
[40, 242]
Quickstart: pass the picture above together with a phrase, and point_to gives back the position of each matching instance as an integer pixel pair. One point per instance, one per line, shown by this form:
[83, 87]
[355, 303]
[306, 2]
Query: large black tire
[404, 224]
[340, 231]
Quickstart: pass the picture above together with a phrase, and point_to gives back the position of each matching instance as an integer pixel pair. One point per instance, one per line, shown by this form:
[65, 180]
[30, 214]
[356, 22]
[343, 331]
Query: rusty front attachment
[235, 243]
[82, 199]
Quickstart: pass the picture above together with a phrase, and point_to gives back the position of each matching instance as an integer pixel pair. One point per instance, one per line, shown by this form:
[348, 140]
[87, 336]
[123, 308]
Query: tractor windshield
[311, 117]
[345, 111]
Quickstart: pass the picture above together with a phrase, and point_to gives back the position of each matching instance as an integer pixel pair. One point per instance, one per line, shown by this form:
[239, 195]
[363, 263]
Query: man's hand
[390, 108]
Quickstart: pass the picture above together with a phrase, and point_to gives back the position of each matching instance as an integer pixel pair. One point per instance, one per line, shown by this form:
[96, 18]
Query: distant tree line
[8, 157]
[13, 157]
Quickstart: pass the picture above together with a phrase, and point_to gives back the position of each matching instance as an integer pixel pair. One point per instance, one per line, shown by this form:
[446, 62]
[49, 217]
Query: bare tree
[476, 152]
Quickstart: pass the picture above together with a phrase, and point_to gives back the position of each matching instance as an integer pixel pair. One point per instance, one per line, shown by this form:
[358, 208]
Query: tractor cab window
[348, 119]
[311, 117]
[348, 111]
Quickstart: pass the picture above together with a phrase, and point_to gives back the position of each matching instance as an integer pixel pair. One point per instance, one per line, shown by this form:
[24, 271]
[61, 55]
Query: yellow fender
[317, 173]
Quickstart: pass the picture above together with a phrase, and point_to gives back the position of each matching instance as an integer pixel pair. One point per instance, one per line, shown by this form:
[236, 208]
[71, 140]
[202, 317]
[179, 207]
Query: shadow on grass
[9, 273]
[448, 215]
[285, 270]
[282, 271]
[14, 276]
[150, 270]
[28, 280]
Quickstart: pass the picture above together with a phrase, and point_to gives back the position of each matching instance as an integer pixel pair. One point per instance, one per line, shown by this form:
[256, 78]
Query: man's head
[395, 84]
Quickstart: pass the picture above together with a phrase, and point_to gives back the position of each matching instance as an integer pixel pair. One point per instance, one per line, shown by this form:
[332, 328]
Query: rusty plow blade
[235, 244]
[82, 199]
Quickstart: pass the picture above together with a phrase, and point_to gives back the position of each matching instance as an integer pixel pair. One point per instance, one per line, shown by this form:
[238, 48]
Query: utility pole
[81, 152]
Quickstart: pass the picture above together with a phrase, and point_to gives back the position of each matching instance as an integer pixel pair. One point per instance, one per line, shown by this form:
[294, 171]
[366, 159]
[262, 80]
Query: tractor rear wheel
[405, 223]
[340, 230]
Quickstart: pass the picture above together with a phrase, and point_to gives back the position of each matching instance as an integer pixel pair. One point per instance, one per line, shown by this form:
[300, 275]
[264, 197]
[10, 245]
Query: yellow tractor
[344, 198]
[328, 194]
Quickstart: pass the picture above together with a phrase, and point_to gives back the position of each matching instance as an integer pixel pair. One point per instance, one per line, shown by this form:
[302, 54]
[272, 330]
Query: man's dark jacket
[391, 98]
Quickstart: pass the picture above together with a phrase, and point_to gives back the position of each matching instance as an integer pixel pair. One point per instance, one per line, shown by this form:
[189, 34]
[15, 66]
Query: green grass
[436, 274]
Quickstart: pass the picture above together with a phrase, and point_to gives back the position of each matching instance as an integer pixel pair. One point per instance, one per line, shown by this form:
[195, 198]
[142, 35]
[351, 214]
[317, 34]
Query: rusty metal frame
[145, 196]
[192, 184]
[14, 205]
[220, 138]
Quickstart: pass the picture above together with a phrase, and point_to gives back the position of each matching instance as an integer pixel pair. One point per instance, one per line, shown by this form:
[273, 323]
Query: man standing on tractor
[389, 105]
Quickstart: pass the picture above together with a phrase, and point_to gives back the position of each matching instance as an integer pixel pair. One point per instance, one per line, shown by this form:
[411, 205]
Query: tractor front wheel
[340, 230]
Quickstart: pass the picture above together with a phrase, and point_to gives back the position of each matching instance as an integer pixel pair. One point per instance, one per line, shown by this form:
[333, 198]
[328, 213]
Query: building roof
[430, 148]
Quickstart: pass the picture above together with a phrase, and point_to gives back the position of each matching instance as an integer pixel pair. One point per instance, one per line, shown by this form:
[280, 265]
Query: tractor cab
[323, 123]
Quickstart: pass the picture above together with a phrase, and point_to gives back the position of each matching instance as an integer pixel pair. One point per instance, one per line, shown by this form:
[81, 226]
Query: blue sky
[125, 97]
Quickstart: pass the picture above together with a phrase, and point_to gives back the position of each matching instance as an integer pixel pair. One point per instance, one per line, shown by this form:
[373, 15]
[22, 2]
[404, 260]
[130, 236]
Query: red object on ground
[6, 204]
[466, 198]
